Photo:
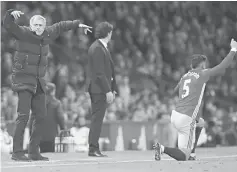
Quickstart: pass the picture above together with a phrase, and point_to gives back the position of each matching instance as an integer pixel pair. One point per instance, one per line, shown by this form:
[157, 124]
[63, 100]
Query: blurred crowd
[151, 47]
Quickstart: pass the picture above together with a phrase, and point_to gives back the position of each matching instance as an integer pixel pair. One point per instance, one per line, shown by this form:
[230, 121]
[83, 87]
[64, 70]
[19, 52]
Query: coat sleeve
[63, 26]
[98, 64]
[60, 116]
[10, 25]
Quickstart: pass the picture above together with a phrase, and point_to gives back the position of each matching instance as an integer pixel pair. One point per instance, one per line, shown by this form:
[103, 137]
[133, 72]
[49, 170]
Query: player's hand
[109, 97]
[16, 14]
[86, 28]
[200, 123]
[233, 43]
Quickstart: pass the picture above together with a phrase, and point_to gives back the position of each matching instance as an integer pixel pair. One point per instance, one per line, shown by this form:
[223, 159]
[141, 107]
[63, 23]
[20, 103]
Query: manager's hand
[109, 97]
[16, 14]
[86, 28]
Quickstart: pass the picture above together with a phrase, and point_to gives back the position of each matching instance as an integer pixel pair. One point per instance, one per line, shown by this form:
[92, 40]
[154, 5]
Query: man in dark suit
[101, 83]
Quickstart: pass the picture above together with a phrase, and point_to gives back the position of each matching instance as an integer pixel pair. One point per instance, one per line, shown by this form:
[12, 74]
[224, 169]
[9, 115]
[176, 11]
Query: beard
[39, 32]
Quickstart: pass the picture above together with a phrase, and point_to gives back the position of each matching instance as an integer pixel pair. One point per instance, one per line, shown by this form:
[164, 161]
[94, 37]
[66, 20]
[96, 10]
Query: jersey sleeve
[206, 74]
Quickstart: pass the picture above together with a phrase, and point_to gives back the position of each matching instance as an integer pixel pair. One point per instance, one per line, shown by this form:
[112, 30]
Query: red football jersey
[191, 90]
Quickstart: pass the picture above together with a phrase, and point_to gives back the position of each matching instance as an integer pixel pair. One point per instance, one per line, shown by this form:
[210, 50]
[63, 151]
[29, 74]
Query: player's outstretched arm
[225, 63]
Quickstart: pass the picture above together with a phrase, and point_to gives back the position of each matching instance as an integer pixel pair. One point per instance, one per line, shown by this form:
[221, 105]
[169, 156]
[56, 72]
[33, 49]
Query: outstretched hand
[16, 14]
[86, 28]
[233, 43]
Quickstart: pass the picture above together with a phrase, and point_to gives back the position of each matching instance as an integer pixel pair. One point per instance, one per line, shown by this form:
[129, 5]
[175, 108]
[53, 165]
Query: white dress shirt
[104, 43]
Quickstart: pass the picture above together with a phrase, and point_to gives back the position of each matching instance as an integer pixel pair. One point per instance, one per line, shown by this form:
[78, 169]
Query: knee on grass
[178, 154]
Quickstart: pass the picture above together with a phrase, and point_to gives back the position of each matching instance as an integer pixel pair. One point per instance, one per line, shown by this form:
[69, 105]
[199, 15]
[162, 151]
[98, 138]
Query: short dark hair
[102, 30]
[197, 59]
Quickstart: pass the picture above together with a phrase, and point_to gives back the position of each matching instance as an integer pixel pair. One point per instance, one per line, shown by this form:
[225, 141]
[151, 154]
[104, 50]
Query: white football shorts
[185, 126]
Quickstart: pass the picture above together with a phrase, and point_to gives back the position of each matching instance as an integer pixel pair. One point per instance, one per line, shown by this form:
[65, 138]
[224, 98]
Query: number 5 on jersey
[186, 88]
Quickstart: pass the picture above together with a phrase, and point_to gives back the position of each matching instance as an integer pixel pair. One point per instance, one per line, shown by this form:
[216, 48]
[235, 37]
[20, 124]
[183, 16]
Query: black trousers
[47, 146]
[99, 105]
[37, 103]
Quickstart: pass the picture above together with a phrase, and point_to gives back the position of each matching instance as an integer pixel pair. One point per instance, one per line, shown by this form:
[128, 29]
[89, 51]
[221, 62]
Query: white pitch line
[52, 161]
[216, 157]
[103, 162]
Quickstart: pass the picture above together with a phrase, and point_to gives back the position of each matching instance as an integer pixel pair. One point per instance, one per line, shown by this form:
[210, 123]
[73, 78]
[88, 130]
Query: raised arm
[63, 26]
[10, 25]
[225, 63]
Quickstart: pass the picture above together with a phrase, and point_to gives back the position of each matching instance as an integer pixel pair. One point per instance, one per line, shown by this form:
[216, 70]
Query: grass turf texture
[220, 159]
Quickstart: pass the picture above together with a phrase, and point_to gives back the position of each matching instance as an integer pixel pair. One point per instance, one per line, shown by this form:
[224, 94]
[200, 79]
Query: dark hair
[197, 59]
[102, 30]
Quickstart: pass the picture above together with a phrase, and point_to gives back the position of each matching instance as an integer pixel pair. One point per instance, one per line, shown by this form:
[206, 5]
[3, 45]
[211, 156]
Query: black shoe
[20, 157]
[37, 157]
[96, 153]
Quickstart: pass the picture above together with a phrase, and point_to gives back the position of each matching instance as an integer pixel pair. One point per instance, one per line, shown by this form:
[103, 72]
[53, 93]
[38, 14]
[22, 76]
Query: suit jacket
[100, 70]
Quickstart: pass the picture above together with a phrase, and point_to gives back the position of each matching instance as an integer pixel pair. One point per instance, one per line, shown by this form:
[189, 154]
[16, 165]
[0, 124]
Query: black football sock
[197, 134]
[175, 153]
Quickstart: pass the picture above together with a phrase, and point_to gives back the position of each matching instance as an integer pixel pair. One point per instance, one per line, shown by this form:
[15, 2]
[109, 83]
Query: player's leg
[179, 154]
[185, 140]
[183, 151]
[182, 124]
[186, 128]
[175, 153]
[199, 126]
